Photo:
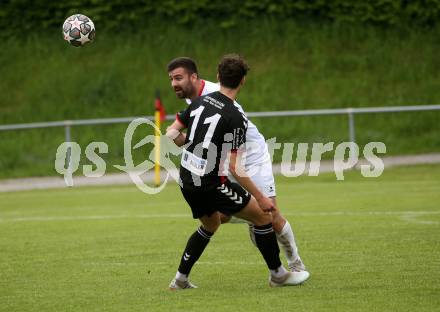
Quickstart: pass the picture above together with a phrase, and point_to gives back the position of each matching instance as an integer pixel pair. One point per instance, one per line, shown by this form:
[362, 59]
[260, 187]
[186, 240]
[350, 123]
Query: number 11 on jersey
[212, 121]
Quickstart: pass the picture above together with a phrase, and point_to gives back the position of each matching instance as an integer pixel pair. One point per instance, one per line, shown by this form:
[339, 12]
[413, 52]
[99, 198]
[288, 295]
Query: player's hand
[265, 204]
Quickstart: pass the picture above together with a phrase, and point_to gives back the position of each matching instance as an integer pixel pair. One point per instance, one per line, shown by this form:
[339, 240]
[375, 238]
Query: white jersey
[256, 148]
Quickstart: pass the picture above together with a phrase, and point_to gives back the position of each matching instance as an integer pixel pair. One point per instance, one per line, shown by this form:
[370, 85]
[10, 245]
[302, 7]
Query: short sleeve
[183, 116]
[238, 127]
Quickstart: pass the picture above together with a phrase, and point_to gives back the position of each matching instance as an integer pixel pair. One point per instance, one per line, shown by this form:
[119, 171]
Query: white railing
[350, 112]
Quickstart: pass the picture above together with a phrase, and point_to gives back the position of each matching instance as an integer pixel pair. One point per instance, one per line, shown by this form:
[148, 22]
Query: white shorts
[262, 176]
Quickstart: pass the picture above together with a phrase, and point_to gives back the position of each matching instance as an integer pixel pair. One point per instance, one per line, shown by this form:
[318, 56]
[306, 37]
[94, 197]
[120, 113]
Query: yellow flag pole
[157, 148]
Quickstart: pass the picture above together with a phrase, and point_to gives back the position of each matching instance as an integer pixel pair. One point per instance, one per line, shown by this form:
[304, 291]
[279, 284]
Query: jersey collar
[202, 87]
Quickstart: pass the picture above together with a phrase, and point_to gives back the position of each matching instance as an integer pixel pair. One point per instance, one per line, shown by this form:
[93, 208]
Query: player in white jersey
[187, 85]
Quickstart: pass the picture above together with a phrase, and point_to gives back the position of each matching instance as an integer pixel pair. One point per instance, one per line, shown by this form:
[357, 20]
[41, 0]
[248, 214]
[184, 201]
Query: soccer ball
[78, 30]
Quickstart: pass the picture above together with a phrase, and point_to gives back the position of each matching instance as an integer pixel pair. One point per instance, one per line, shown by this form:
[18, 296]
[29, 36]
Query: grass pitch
[370, 245]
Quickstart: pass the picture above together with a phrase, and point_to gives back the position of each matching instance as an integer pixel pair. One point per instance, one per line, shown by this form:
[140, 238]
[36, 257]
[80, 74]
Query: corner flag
[159, 116]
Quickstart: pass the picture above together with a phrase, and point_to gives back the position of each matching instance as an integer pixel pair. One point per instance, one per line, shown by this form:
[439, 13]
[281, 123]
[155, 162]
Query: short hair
[185, 62]
[231, 70]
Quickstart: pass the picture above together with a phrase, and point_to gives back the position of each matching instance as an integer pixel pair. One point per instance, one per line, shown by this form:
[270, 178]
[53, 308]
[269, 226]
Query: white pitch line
[109, 217]
[365, 213]
[165, 216]
[147, 263]
[413, 219]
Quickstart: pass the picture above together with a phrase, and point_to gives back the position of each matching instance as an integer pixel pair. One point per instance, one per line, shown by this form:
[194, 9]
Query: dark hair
[231, 70]
[185, 62]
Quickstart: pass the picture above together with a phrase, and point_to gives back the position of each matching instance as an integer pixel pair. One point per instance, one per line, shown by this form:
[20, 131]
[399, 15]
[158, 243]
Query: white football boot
[178, 285]
[289, 279]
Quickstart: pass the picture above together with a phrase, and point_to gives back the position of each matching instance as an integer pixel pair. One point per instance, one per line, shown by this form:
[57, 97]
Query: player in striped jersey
[217, 134]
[187, 85]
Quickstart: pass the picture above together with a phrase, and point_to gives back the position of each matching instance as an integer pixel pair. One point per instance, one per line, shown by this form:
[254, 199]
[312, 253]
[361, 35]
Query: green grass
[293, 66]
[370, 244]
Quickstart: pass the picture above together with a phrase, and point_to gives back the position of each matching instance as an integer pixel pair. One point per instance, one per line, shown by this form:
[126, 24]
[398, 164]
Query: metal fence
[350, 112]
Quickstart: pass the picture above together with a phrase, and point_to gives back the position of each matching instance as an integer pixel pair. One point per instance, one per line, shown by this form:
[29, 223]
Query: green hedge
[19, 18]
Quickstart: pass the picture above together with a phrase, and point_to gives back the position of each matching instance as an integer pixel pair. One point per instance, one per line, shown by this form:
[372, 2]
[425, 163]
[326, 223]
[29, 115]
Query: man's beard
[182, 93]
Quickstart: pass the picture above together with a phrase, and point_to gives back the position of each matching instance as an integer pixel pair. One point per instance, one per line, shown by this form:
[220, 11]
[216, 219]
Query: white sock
[278, 272]
[287, 242]
[181, 277]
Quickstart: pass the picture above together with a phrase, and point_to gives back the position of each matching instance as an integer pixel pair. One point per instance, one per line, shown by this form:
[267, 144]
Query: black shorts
[227, 198]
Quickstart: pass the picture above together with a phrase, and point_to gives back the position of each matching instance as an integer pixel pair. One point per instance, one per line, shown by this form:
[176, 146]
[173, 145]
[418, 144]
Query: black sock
[266, 241]
[194, 249]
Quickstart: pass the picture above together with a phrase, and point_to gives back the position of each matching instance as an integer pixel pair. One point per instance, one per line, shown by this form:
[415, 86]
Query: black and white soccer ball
[78, 30]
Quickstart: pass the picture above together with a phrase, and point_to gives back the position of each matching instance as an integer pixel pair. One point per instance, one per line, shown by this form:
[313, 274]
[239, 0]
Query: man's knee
[211, 227]
[278, 220]
[262, 219]
[254, 214]
[211, 223]
[225, 218]
[276, 216]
